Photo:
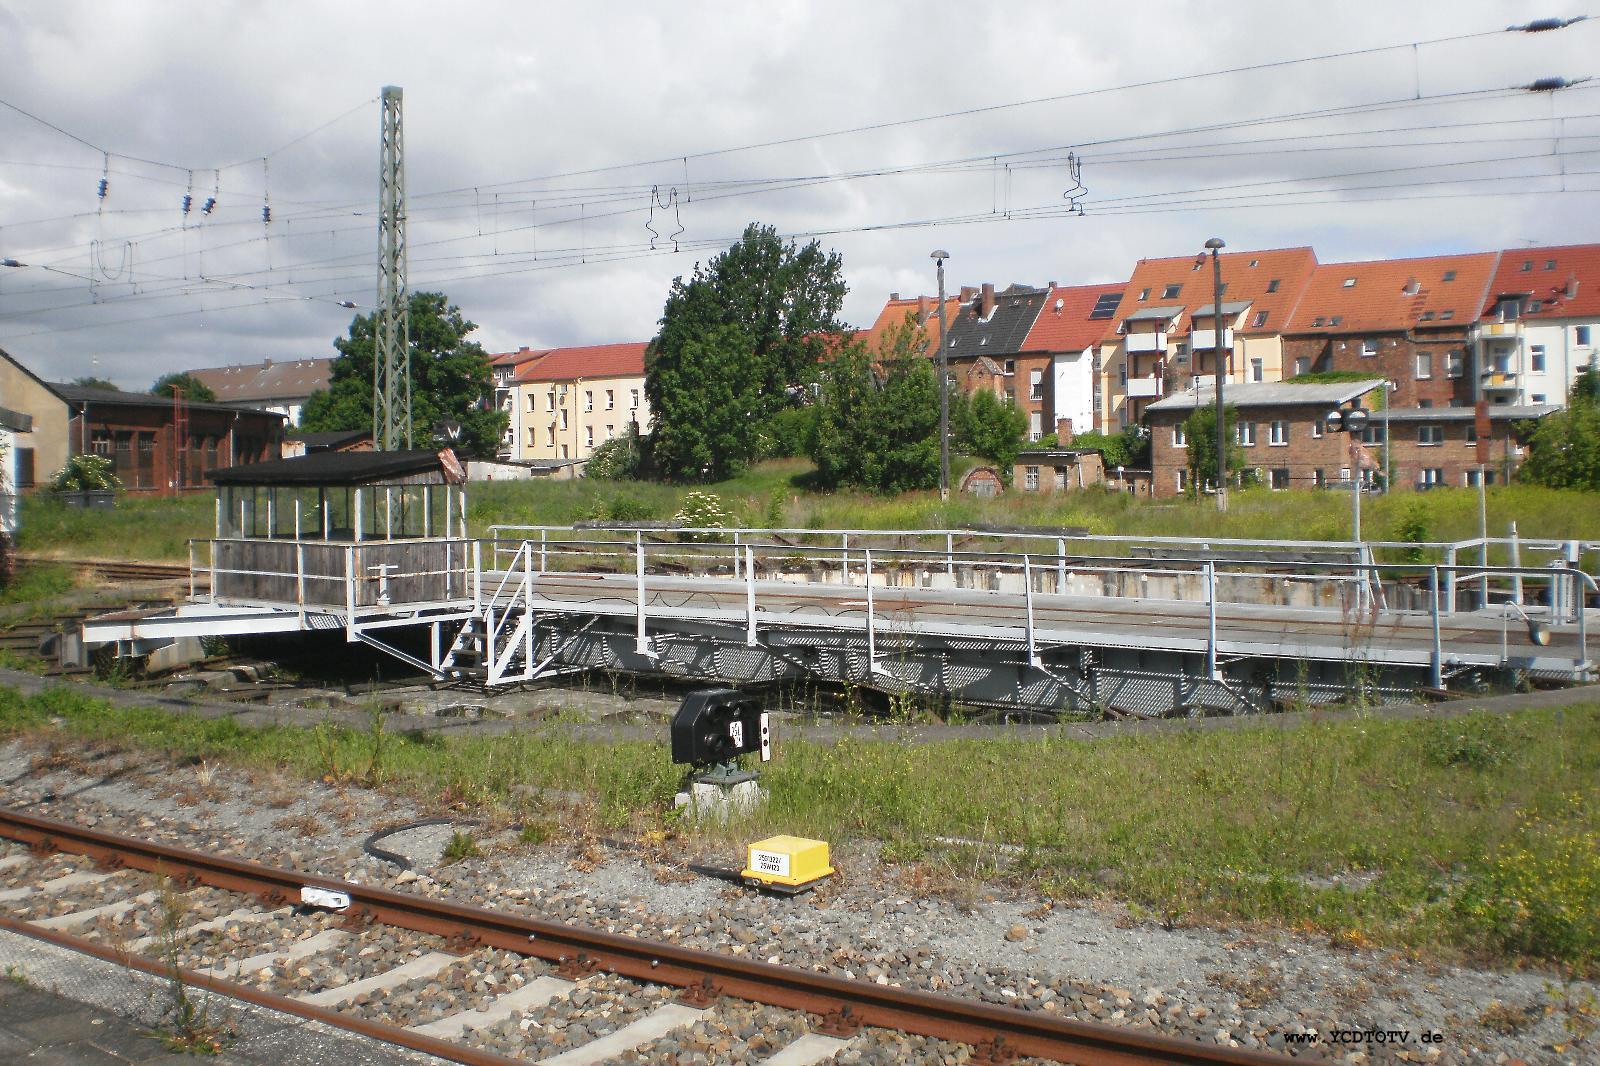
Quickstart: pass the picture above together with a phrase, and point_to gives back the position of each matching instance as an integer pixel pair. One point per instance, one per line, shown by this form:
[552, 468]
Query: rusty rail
[845, 1006]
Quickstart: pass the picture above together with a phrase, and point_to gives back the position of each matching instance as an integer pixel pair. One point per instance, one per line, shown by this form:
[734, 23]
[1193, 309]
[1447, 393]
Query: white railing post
[1211, 619]
[477, 574]
[300, 579]
[1027, 599]
[736, 555]
[1438, 650]
[191, 571]
[1450, 580]
[1061, 566]
[844, 558]
[1516, 562]
[950, 557]
[640, 644]
[527, 610]
[872, 632]
[349, 592]
[749, 597]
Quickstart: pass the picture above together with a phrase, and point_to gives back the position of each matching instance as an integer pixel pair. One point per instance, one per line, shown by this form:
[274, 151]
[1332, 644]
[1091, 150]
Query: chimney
[1064, 432]
[1572, 287]
[922, 310]
[1413, 286]
[967, 293]
[1050, 284]
[989, 302]
[894, 297]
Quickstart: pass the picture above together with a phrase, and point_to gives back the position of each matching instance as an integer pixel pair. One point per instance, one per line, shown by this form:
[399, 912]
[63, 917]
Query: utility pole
[944, 386]
[391, 365]
[1216, 244]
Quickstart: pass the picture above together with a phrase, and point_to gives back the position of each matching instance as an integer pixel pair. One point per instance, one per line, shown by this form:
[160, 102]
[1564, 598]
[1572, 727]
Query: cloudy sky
[558, 154]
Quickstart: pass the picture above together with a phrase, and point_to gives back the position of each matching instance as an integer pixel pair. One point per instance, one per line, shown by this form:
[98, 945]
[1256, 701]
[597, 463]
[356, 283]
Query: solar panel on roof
[1106, 305]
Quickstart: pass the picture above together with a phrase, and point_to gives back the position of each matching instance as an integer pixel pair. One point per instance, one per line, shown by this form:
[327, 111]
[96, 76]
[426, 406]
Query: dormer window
[1144, 294]
[1171, 292]
[1349, 283]
[1272, 286]
[1449, 275]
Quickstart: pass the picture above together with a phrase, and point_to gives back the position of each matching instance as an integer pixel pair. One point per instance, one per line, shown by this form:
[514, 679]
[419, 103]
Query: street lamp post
[939, 257]
[1216, 244]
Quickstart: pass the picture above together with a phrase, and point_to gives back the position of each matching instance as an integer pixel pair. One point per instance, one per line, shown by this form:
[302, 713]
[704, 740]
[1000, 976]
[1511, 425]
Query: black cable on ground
[369, 845]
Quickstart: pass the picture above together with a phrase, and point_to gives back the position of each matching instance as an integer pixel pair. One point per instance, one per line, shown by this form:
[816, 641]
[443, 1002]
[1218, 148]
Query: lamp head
[1216, 243]
[1355, 419]
[940, 254]
[1538, 632]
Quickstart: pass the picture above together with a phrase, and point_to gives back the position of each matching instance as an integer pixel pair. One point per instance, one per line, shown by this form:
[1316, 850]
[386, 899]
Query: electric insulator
[104, 185]
[188, 203]
[210, 205]
[266, 214]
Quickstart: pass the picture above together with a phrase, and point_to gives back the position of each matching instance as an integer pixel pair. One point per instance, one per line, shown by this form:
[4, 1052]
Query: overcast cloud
[502, 97]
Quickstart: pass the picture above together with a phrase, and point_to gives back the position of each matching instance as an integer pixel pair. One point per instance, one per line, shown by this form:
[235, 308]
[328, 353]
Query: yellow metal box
[786, 863]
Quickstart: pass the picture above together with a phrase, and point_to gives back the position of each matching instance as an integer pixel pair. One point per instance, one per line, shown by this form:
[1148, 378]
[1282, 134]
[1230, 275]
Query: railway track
[117, 898]
[117, 571]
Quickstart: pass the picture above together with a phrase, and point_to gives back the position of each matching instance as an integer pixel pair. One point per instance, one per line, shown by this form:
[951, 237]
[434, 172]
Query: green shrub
[85, 473]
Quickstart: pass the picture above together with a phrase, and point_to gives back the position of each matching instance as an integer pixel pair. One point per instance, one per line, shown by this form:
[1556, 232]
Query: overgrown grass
[36, 584]
[159, 528]
[1478, 834]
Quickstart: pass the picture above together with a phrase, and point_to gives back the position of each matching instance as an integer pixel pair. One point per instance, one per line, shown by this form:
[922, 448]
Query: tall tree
[734, 338]
[1200, 438]
[450, 379]
[877, 418]
[193, 388]
[987, 426]
[91, 382]
[1564, 451]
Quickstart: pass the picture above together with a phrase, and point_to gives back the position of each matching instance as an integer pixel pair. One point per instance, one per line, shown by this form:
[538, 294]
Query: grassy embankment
[1479, 836]
[775, 493]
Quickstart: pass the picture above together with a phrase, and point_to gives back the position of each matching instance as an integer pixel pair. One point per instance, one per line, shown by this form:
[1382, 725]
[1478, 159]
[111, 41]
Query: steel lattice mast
[391, 365]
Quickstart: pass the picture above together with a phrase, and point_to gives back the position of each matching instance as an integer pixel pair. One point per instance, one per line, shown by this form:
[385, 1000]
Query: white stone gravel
[1246, 987]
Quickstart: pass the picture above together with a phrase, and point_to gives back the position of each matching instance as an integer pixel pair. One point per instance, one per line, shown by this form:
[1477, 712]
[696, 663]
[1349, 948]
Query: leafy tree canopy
[193, 388]
[984, 425]
[450, 379]
[734, 339]
[877, 419]
[1200, 431]
[91, 382]
[1564, 451]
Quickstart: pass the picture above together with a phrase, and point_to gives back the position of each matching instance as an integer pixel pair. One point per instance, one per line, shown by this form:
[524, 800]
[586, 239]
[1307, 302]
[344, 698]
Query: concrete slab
[65, 881]
[422, 966]
[658, 1023]
[807, 1051]
[123, 906]
[311, 945]
[538, 993]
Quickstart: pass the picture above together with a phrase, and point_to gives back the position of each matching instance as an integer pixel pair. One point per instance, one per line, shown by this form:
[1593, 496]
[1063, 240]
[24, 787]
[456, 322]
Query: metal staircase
[495, 644]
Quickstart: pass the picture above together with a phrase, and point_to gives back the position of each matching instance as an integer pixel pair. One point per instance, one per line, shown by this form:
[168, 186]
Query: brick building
[1280, 430]
[1437, 447]
[141, 435]
[1067, 332]
[1408, 321]
[986, 348]
[1165, 332]
[284, 387]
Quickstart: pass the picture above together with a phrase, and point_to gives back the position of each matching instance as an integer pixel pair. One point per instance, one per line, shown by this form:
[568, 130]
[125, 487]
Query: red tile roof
[1574, 263]
[1064, 325]
[518, 357]
[895, 311]
[267, 380]
[587, 361]
[1394, 294]
[1247, 276]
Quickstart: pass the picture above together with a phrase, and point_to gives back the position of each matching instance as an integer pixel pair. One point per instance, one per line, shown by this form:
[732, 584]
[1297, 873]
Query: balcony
[1147, 342]
[1206, 339]
[1144, 387]
[1502, 329]
[1500, 381]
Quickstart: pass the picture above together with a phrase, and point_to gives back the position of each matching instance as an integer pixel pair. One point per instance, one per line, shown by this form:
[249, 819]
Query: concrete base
[720, 801]
[175, 656]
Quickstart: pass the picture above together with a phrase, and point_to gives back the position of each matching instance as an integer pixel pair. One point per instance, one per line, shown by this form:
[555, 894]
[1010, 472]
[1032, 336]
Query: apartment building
[921, 311]
[1539, 327]
[572, 400]
[1408, 321]
[280, 386]
[1067, 333]
[986, 348]
[1166, 333]
[503, 369]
